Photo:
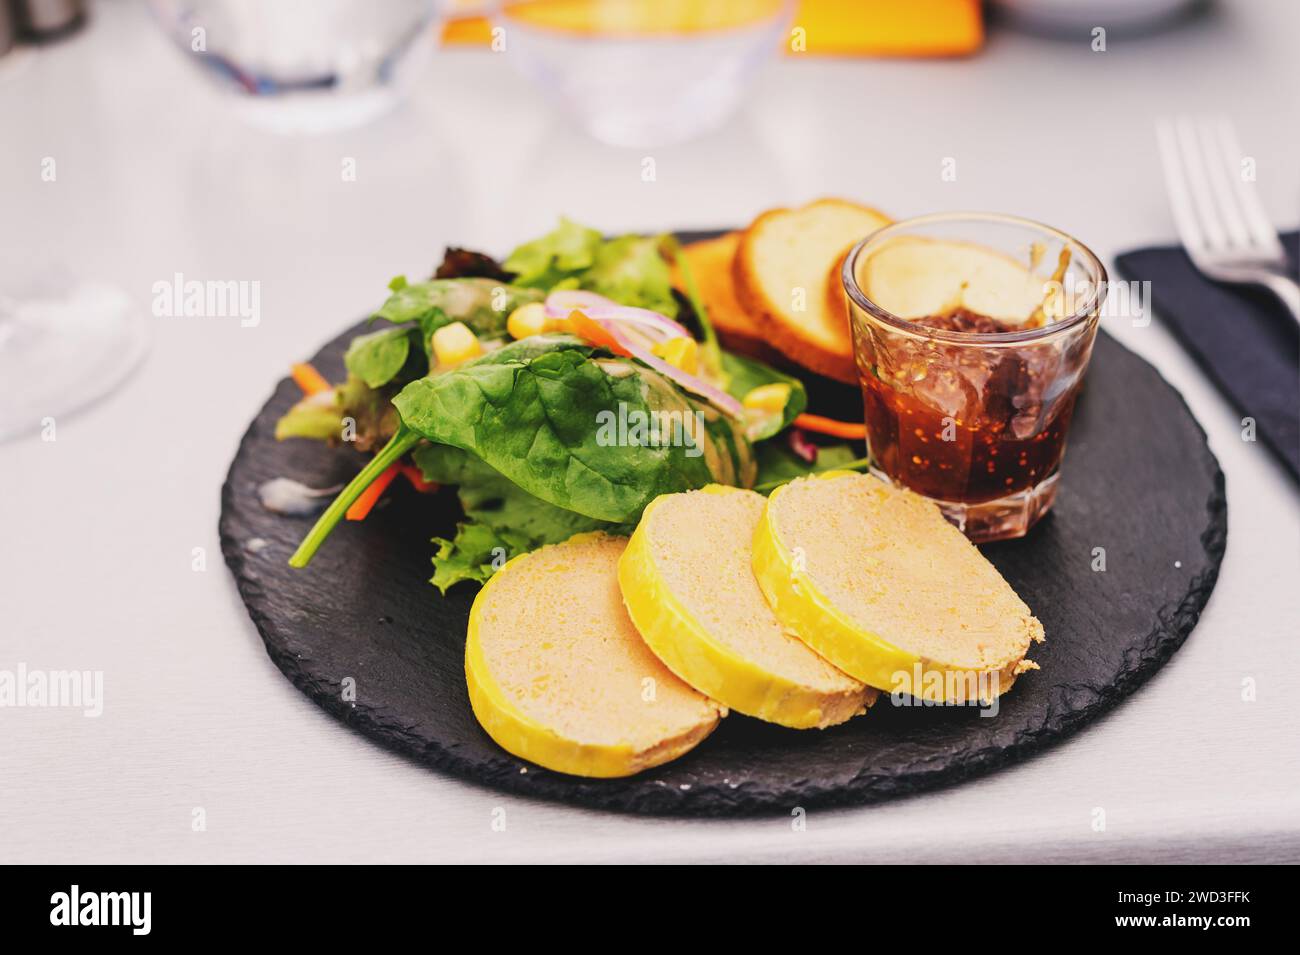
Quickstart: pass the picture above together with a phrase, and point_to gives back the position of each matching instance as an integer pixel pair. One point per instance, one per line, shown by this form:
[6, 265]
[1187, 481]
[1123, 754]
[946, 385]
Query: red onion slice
[635, 328]
[598, 308]
[801, 446]
[697, 386]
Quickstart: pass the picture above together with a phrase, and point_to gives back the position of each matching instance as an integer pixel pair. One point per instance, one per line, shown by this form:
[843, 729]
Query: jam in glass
[971, 410]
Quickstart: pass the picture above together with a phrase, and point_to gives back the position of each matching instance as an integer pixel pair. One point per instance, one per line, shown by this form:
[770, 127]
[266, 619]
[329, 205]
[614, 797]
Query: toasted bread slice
[688, 582]
[780, 273]
[875, 580]
[837, 301]
[710, 264]
[558, 675]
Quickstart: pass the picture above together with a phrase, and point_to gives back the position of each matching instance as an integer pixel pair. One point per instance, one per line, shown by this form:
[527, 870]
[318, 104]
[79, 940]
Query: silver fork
[1218, 213]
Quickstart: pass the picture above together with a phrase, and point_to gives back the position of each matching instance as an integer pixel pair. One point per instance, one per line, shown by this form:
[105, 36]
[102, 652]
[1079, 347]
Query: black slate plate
[1139, 481]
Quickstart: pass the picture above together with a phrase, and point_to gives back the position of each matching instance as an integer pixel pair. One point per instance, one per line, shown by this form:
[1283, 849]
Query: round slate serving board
[1138, 481]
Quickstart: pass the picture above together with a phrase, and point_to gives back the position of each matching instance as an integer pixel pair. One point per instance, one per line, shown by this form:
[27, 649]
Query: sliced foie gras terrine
[559, 676]
[875, 580]
[688, 583]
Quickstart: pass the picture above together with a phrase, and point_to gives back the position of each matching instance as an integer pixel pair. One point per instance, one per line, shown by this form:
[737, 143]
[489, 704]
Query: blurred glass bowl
[305, 65]
[1067, 17]
[643, 72]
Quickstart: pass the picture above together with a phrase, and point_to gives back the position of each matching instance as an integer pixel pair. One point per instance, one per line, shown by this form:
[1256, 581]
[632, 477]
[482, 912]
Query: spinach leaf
[443, 464]
[402, 441]
[377, 357]
[777, 463]
[580, 429]
[743, 375]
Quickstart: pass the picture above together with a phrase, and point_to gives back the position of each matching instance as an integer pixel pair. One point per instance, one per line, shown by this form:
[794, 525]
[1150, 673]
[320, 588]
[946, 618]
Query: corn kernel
[773, 397]
[683, 353]
[455, 343]
[528, 320]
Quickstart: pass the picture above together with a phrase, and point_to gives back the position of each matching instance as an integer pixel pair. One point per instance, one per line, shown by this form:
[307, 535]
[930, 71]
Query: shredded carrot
[593, 332]
[309, 379]
[371, 495]
[837, 429]
[416, 477]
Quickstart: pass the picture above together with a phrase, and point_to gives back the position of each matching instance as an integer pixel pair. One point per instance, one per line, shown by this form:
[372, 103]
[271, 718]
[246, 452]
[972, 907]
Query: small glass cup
[970, 413]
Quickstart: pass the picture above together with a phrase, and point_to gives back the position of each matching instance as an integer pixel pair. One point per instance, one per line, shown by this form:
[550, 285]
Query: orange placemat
[834, 28]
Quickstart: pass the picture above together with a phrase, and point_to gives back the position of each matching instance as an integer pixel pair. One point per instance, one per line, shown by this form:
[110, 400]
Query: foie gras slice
[688, 583]
[558, 675]
[875, 580]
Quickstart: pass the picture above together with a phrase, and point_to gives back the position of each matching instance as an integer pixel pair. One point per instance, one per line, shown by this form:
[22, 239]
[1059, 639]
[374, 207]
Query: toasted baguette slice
[558, 675]
[710, 264]
[688, 582]
[780, 273]
[875, 580]
[837, 301]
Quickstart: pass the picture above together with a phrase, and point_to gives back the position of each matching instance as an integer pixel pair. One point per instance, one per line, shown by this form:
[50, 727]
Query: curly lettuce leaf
[630, 269]
[501, 519]
[566, 251]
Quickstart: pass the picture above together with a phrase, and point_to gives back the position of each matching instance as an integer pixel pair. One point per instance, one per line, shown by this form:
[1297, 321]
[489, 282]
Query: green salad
[559, 391]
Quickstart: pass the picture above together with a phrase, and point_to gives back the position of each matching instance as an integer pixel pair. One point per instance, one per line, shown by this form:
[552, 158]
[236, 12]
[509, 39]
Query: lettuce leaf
[630, 269]
[566, 251]
[501, 519]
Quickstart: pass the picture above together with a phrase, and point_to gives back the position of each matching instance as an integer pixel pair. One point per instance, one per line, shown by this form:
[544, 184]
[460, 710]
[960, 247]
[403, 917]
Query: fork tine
[1180, 200]
[1220, 176]
[1198, 186]
[1252, 209]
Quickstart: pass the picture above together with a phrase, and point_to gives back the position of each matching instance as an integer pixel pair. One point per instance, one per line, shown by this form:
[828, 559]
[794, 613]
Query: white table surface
[97, 528]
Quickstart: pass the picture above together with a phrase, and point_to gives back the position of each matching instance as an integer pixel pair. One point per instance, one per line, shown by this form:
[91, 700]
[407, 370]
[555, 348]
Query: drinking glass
[304, 66]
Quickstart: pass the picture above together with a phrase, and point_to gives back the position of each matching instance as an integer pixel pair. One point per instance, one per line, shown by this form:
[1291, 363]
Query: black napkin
[1240, 335]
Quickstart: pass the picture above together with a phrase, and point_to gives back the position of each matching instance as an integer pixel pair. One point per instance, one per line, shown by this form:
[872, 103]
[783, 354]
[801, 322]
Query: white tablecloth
[97, 529]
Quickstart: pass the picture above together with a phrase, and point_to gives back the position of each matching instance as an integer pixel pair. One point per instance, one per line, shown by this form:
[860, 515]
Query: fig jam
[969, 422]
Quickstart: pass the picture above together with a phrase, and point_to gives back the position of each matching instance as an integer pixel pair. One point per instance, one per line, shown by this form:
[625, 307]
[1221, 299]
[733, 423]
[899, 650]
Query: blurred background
[320, 147]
